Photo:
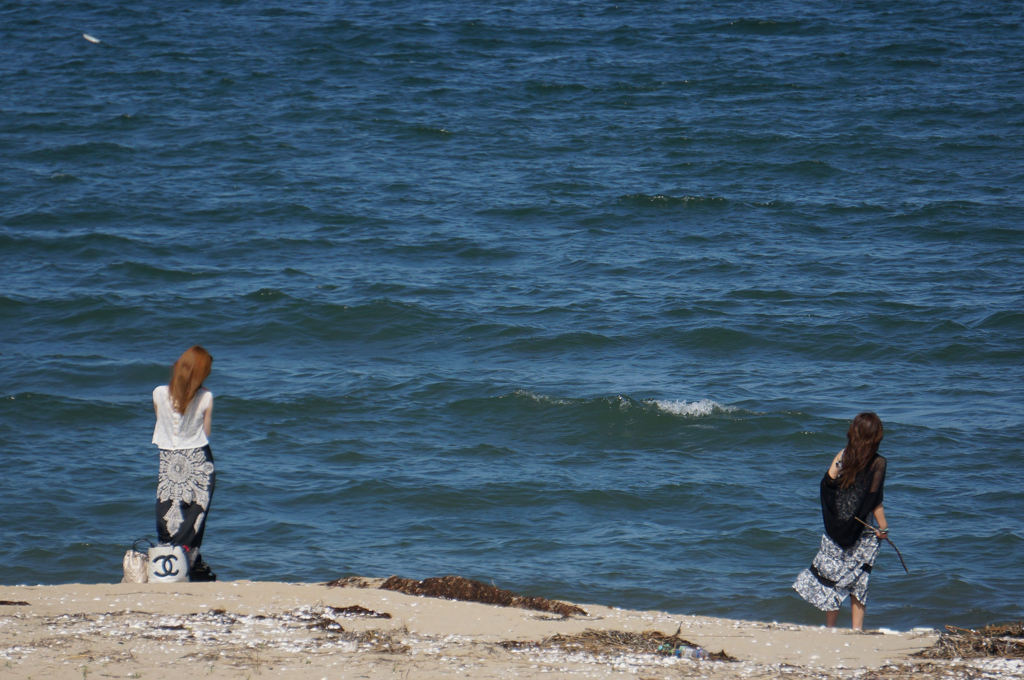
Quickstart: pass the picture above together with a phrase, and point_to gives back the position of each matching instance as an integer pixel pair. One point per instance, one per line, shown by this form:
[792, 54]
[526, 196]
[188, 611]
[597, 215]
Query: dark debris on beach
[464, 590]
[357, 611]
[1003, 641]
[385, 641]
[611, 642]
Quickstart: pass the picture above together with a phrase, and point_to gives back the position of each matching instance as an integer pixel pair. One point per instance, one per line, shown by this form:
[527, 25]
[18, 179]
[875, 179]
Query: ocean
[575, 297]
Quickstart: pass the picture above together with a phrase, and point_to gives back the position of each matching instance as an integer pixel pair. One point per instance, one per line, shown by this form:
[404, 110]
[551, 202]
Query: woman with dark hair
[851, 493]
[184, 411]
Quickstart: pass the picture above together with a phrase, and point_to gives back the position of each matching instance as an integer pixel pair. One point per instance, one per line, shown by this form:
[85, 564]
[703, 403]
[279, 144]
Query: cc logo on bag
[166, 565]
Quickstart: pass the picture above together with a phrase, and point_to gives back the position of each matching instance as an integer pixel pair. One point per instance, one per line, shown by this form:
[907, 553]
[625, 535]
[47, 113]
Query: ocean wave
[429, 131]
[810, 168]
[90, 244]
[1003, 320]
[663, 201]
[563, 342]
[142, 271]
[769, 27]
[93, 151]
[552, 87]
[454, 246]
[544, 399]
[679, 407]
[703, 407]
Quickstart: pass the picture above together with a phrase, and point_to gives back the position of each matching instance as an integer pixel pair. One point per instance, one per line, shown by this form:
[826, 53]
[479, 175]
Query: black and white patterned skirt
[186, 484]
[836, 573]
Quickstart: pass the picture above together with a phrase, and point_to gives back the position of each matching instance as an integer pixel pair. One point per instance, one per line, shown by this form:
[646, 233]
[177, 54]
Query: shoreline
[246, 629]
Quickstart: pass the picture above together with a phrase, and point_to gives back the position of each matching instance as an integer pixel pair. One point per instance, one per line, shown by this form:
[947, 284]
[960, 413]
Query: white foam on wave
[681, 407]
[541, 398]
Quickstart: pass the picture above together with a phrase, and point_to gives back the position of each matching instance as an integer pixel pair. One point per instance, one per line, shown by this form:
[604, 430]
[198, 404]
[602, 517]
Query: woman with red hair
[184, 410]
[851, 493]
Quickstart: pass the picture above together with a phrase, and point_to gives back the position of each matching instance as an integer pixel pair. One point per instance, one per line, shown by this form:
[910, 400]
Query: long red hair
[862, 440]
[187, 376]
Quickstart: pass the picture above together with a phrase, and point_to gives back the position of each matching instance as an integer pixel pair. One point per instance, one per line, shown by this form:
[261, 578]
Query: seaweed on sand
[466, 590]
[459, 588]
[611, 642]
[1005, 641]
[357, 611]
[325, 617]
[374, 640]
[384, 641]
[355, 582]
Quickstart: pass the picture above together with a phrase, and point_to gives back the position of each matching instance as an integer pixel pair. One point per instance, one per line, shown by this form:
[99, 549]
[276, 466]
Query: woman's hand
[881, 535]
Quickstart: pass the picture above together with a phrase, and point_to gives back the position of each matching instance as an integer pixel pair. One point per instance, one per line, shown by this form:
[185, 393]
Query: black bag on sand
[201, 571]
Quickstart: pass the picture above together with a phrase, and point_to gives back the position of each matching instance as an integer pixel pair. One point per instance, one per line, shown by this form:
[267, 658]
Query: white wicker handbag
[134, 563]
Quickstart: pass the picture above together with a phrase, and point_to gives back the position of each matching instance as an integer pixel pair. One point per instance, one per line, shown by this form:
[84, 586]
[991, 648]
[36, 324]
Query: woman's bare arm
[883, 525]
[833, 470]
[208, 418]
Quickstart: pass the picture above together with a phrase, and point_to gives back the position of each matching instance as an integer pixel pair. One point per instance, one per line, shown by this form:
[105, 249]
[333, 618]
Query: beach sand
[247, 629]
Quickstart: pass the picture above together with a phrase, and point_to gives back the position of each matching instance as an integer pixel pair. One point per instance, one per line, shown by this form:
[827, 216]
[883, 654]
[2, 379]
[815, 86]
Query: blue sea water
[575, 297]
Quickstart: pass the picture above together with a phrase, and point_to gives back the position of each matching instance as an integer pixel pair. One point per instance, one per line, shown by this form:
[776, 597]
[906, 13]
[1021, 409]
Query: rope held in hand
[886, 537]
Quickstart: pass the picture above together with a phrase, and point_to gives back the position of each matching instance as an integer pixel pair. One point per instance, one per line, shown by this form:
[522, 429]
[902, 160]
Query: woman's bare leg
[858, 613]
[831, 618]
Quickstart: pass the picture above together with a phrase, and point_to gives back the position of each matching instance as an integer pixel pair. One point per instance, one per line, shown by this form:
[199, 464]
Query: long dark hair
[862, 440]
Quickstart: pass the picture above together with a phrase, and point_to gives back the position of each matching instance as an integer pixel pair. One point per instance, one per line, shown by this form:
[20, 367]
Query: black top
[840, 508]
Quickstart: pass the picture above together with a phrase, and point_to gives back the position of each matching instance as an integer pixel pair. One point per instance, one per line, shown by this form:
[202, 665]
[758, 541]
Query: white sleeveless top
[180, 430]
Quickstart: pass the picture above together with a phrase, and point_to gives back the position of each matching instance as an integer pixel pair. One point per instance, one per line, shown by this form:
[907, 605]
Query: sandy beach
[247, 629]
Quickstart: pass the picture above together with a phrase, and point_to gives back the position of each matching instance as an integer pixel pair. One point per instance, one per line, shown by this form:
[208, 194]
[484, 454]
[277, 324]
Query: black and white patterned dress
[187, 474]
[186, 484]
[841, 570]
[837, 573]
